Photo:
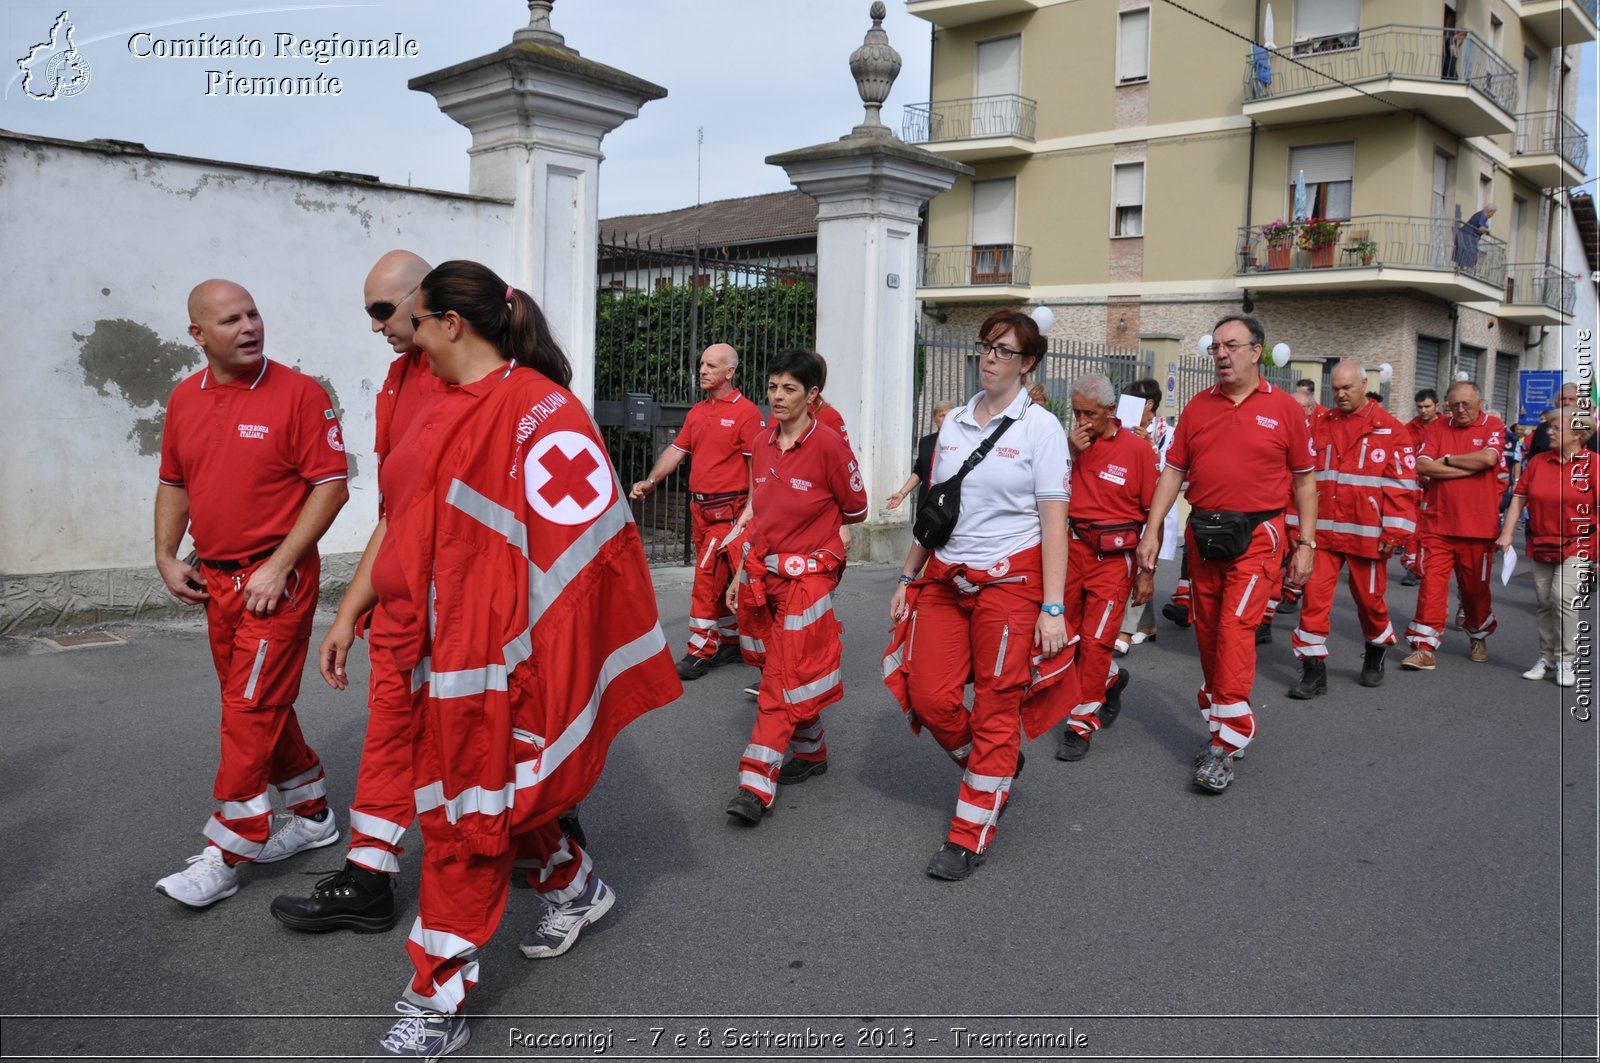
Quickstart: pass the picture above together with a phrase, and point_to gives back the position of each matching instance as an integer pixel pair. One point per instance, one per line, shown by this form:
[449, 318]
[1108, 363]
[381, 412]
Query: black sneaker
[1289, 607]
[727, 653]
[352, 898]
[1263, 634]
[568, 822]
[746, 806]
[1410, 579]
[953, 862]
[1111, 708]
[1176, 613]
[798, 770]
[692, 667]
[1073, 746]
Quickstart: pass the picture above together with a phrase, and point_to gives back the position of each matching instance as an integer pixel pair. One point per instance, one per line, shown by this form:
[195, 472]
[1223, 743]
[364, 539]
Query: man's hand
[731, 598]
[1149, 548]
[893, 501]
[1049, 634]
[332, 653]
[1144, 587]
[640, 489]
[265, 589]
[1079, 438]
[1300, 566]
[176, 575]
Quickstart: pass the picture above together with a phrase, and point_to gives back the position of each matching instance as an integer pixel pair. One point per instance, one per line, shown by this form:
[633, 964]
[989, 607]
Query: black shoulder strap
[982, 451]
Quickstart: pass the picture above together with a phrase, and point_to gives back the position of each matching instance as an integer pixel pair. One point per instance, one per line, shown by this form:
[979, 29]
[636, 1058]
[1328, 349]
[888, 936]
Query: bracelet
[907, 580]
[1446, 460]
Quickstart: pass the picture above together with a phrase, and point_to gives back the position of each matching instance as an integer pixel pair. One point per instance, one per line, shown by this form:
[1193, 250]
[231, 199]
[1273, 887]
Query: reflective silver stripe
[1348, 529]
[259, 805]
[313, 772]
[754, 645]
[814, 731]
[700, 623]
[579, 883]
[537, 741]
[762, 754]
[893, 661]
[1229, 709]
[1237, 739]
[1421, 629]
[1000, 658]
[1105, 616]
[255, 672]
[1248, 589]
[373, 827]
[1407, 485]
[974, 814]
[223, 838]
[1355, 480]
[472, 799]
[961, 754]
[807, 745]
[986, 783]
[807, 691]
[374, 859]
[445, 998]
[469, 682]
[711, 551]
[759, 783]
[1399, 522]
[820, 608]
[1385, 637]
[490, 514]
[1308, 638]
[314, 789]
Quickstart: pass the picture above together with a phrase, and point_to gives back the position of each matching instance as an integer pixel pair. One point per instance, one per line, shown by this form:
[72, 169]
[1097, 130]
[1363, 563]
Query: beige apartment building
[1129, 154]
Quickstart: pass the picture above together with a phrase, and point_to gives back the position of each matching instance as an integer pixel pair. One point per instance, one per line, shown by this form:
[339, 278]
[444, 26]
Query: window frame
[1117, 207]
[1149, 19]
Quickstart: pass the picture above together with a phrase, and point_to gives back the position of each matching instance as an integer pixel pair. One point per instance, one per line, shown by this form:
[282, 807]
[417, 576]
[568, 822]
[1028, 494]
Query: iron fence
[1536, 283]
[658, 306]
[969, 119]
[971, 265]
[1197, 372]
[1539, 132]
[1383, 240]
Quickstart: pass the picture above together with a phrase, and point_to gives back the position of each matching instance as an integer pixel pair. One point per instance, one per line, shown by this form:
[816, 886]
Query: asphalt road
[1408, 871]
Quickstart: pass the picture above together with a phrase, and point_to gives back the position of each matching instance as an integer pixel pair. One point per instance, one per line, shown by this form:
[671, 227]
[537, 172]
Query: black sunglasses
[418, 319]
[381, 312]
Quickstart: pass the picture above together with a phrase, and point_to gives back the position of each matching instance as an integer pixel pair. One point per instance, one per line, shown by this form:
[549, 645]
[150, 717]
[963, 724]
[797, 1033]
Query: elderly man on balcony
[1466, 254]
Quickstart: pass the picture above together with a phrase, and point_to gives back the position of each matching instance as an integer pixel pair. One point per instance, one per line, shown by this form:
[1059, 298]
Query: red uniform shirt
[1416, 427]
[718, 434]
[1561, 499]
[1470, 506]
[1241, 457]
[409, 387]
[830, 417]
[1113, 479]
[248, 452]
[803, 493]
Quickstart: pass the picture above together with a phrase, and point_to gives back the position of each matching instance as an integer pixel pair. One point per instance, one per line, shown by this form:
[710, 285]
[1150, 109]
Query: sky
[758, 76]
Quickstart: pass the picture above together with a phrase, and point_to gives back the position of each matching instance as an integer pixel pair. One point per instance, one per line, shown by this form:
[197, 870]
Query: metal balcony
[1560, 21]
[983, 127]
[1538, 294]
[975, 271]
[1550, 151]
[1433, 255]
[947, 13]
[1463, 85]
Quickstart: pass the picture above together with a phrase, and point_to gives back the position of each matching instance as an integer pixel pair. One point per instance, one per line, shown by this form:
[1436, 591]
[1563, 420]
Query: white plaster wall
[92, 236]
[1575, 356]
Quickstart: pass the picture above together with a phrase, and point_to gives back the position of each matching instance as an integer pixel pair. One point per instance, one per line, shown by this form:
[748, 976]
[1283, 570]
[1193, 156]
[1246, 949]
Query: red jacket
[541, 639]
[1367, 491]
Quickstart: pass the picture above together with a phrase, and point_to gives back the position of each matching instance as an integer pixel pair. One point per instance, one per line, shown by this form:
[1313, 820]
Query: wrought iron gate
[658, 306]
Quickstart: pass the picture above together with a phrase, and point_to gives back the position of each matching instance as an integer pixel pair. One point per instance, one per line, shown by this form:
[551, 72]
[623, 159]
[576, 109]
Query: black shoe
[798, 770]
[1073, 746]
[727, 653]
[953, 862]
[1263, 634]
[1111, 708]
[1176, 613]
[1021, 760]
[352, 898]
[568, 822]
[1372, 665]
[1313, 679]
[746, 806]
[692, 667]
[1288, 606]
[1410, 579]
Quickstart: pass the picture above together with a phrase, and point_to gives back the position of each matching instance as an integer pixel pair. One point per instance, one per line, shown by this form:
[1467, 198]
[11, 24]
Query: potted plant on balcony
[1320, 236]
[1278, 236]
[1364, 249]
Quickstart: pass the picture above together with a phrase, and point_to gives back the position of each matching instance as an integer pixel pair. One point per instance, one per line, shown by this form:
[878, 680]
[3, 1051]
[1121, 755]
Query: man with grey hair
[1366, 510]
[1460, 455]
[1113, 476]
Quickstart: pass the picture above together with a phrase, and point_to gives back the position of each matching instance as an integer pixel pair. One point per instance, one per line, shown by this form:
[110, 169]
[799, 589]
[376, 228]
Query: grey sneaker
[1213, 770]
[206, 880]
[559, 928]
[422, 1034]
[295, 834]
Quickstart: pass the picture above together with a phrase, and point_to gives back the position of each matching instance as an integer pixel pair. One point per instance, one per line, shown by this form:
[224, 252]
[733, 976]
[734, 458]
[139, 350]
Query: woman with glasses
[530, 635]
[990, 599]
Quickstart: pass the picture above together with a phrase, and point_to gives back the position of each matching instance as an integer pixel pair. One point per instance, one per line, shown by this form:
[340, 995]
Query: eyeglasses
[418, 319]
[1231, 345]
[1004, 353]
[1459, 405]
[381, 312]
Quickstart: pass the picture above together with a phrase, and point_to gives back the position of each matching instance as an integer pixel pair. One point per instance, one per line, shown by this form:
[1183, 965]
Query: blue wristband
[1051, 609]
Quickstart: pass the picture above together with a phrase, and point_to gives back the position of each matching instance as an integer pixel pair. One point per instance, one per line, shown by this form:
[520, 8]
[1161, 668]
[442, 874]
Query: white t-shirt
[1000, 498]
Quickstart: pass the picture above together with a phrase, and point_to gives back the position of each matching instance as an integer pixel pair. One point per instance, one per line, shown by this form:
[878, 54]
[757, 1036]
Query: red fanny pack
[1546, 549]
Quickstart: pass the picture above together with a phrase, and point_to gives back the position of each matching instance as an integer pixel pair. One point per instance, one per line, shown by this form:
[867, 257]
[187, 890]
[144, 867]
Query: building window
[1470, 362]
[1506, 399]
[1329, 171]
[1430, 352]
[1127, 199]
[1133, 46]
[1497, 35]
[1485, 190]
[994, 226]
[1326, 25]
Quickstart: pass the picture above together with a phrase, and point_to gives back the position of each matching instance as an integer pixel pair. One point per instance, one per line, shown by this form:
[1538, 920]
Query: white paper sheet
[1130, 410]
[1507, 563]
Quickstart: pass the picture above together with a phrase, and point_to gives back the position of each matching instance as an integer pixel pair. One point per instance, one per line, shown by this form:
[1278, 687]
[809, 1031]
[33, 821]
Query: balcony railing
[1382, 241]
[1540, 132]
[1538, 284]
[1426, 53]
[967, 265]
[971, 119]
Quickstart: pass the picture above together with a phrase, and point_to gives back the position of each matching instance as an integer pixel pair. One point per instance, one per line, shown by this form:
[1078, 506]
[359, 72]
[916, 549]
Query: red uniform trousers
[1230, 598]
[802, 675]
[1183, 593]
[1437, 556]
[984, 634]
[1369, 582]
[463, 897]
[258, 662]
[385, 802]
[1098, 586]
[710, 623]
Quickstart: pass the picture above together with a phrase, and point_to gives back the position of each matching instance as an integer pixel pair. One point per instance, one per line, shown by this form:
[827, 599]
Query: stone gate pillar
[870, 187]
[537, 111]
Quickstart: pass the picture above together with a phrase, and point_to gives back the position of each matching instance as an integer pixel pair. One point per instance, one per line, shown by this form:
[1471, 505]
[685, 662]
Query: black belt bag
[721, 508]
[1107, 537]
[1224, 534]
[243, 562]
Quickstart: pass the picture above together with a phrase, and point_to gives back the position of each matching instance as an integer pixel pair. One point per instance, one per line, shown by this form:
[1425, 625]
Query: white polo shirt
[999, 498]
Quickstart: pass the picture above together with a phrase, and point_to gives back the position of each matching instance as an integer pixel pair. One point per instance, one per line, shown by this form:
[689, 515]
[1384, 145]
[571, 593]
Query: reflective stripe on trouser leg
[939, 655]
[1435, 558]
[978, 807]
[713, 571]
[385, 801]
[759, 764]
[555, 865]
[1472, 581]
[1229, 598]
[1096, 601]
[1233, 725]
[809, 741]
[1369, 585]
[1310, 638]
[459, 906]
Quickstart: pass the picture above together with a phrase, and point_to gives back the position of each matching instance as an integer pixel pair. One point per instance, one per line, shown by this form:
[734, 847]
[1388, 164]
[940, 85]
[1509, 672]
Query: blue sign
[1536, 391]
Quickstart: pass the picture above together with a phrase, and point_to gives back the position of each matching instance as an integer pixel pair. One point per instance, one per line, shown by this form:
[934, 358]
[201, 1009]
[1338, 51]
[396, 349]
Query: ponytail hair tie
[510, 294]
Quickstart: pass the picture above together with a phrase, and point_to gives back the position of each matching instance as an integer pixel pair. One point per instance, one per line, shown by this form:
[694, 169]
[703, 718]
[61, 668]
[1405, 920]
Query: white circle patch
[335, 440]
[1000, 568]
[1378, 454]
[794, 565]
[568, 479]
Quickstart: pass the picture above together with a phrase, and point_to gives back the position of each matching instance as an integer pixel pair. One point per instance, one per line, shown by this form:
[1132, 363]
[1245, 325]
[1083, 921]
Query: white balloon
[1463, 375]
[1280, 354]
[1205, 342]
[1044, 317]
[1385, 372]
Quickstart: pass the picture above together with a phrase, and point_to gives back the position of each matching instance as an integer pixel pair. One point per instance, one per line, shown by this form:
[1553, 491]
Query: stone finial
[874, 65]
[538, 29]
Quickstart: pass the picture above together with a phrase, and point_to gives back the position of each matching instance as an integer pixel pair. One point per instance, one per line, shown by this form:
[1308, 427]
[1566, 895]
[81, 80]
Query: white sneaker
[1540, 668]
[561, 924]
[207, 880]
[1566, 674]
[422, 1034]
[295, 834]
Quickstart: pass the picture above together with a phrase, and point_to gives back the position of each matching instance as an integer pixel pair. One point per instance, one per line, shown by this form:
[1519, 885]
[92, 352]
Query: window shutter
[1128, 190]
[1325, 18]
[994, 211]
[1133, 45]
[1324, 163]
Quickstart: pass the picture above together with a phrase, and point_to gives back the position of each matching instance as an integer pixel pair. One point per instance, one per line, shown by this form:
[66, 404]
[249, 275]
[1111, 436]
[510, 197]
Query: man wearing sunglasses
[360, 896]
[1460, 455]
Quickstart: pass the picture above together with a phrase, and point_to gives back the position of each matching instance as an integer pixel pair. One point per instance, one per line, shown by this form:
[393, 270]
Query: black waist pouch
[1224, 534]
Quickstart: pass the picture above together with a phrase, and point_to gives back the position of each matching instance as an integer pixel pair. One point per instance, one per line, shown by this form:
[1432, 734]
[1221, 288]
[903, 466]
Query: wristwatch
[1309, 542]
[1051, 609]
[1446, 460]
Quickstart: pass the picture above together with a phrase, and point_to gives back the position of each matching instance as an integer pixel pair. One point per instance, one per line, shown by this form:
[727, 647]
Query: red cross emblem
[569, 477]
[569, 480]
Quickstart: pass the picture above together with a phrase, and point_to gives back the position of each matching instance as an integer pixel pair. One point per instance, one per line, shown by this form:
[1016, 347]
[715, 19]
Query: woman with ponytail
[533, 636]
